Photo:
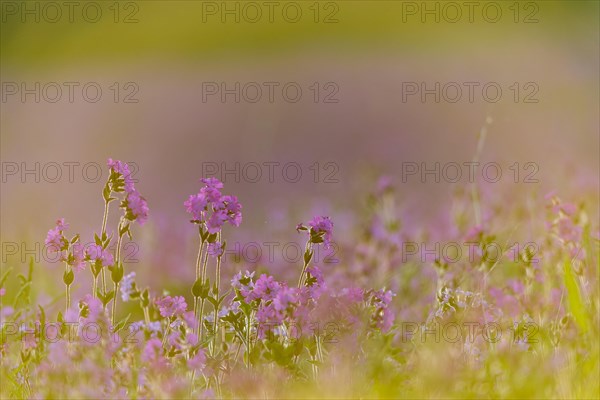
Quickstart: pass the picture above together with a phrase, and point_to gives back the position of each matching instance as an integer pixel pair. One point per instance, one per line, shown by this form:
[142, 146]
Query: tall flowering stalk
[71, 253]
[320, 230]
[210, 210]
[135, 209]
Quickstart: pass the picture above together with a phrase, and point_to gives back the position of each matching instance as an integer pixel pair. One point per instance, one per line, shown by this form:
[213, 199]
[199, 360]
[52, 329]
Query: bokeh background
[163, 53]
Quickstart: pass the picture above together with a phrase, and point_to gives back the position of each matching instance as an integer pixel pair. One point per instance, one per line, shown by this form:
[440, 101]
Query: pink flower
[315, 281]
[91, 308]
[265, 288]
[215, 249]
[320, 230]
[383, 316]
[2, 292]
[77, 257]
[198, 361]
[137, 208]
[568, 231]
[352, 295]
[210, 201]
[153, 353]
[54, 239]
[244, 283]
[171, 306]
[216, 221]
[122, 169]
[212, 183]
[233, 210]
[97, 253]
[61, 224]
[196, 205]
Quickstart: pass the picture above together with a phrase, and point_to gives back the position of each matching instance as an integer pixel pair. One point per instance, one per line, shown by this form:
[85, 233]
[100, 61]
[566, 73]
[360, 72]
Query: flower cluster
[320, 230]
[212, 208]
[55, 240]
[171, 306]
[120, 180]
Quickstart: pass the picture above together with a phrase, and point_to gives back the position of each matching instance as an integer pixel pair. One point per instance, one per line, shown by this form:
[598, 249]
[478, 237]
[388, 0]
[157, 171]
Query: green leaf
[212, 237]
[145, 298]
[107, 298]
[5, 276]
[116, 274]
[203, 234]
[68, 277]
[124, 229]
[96, 267]
[576, 305]
[212, 301]
[308, 254]
[30, 273]
[42, 316]
[197, 288]
[205, 289]
[106, 192]
[121, 324]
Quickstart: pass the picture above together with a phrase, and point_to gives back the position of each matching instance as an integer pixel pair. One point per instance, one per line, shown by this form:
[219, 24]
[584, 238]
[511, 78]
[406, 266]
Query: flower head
[216, 221]
[265, 288]
[216, 249]
[76, 258]
[136, 207]
[212, 182]
[127, 286]
[123, 176]
[320, 230]
[198, 361]
[243, 283]
[315, 281]
[212, 208]
[383, 317]
[171, 306]
[55, 241]
[96, 253]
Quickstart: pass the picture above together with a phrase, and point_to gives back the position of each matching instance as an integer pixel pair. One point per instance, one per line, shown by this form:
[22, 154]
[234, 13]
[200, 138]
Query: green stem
[200, 327]
[301, 280]
[94, 284]
[68, 295]
[67, 291]
[198, 264]
[167, 332]
[248, 342]
[201, 316]
[146, 316]
[104, 220]
[218, 284]
[117, 264]
[114, 305]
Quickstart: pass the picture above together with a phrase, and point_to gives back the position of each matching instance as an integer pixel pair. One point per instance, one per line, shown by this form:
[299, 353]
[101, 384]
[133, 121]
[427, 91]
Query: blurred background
[327, 96]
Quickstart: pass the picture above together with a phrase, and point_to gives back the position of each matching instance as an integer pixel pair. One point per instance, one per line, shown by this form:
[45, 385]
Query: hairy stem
[301, 280]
